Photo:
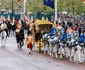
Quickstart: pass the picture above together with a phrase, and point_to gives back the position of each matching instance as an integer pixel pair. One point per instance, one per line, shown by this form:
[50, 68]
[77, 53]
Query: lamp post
[73, 8]
[25, 8]
[12, 7]
[0, 3]
[68, 10]
[56, 10]
[61, 10]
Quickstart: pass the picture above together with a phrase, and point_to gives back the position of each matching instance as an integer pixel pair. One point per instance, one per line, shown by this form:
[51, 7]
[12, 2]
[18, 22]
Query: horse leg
[79, 53]
[70, 54]
[13, 32]
[4, 41]
[20, 44]
[61, 54]
[50, 47]
[47, 48]
[84, 54]
[44, 48]
[1, 42]
[9, 31]
[65, 52]
[56, 51]
[73, 53]
[79, 56]
[52, 51]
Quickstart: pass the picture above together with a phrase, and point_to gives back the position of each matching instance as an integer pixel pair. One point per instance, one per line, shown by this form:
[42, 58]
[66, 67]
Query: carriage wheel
[39, 48]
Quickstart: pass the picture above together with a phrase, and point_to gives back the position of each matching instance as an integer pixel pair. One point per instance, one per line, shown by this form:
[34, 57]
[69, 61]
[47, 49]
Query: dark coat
[20, 35]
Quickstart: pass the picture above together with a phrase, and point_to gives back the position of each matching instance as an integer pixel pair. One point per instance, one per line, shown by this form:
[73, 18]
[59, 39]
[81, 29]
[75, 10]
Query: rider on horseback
[3, 33]
[20, 35]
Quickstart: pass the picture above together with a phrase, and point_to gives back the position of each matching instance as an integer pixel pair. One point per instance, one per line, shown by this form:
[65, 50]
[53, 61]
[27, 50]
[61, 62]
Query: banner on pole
[84, 1]
[19, 3]
[49, 3]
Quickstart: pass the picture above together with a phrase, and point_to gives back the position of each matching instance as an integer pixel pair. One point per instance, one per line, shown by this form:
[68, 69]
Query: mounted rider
[3, 26]
[19, 34]
[8, 22]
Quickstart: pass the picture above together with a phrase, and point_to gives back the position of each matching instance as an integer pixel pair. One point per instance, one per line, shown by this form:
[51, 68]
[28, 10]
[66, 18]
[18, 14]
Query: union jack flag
[84, 1]
[19, 3]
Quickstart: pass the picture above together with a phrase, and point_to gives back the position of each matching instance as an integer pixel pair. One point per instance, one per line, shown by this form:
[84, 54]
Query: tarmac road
[11, 58]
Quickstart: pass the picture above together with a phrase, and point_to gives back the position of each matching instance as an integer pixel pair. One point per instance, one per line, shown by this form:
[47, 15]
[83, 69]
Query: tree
[33, 5]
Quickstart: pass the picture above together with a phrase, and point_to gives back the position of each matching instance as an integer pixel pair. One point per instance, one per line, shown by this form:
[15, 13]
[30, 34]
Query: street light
[68, 9]
[56, 10]
[12, 7]
[0, 5]
[61, 9]
[73, 8]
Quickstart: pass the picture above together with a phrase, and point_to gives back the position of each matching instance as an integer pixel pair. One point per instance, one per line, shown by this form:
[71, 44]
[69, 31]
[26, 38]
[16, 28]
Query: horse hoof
[50, 54]
[61, 56]
[44, 52]
[80, 62]
[56, 56]
[18, 46]
[2, 46]
[29, 52]
[70, 60]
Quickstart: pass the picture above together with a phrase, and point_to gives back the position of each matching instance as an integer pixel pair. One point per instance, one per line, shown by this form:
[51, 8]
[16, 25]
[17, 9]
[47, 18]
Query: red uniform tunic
[56, 25]
[75, 28]
[16, 27]
[6, 20]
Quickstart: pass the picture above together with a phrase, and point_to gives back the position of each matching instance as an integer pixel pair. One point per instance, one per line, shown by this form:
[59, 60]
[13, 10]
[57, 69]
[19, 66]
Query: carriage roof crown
[43, 21]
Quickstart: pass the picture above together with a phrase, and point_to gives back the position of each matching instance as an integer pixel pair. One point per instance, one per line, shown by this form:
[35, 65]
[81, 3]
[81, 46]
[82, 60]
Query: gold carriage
[40, 27]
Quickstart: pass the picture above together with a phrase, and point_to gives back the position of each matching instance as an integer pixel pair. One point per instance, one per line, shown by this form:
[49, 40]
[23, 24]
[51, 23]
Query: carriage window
[45, 27]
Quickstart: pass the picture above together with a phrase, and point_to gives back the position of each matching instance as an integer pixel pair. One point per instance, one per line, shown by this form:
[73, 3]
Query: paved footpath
[11, 58]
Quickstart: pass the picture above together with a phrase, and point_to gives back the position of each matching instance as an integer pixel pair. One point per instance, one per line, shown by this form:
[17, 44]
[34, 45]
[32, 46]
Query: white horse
[3, 36]
[46, 45]
[79, 54]
[53, 46]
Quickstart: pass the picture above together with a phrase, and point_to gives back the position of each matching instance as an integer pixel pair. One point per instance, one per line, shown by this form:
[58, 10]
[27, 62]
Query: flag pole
[55, 10]
[24, 9]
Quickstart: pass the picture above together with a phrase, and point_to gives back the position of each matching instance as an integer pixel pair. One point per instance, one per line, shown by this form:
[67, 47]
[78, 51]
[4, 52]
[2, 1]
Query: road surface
[11, 58]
